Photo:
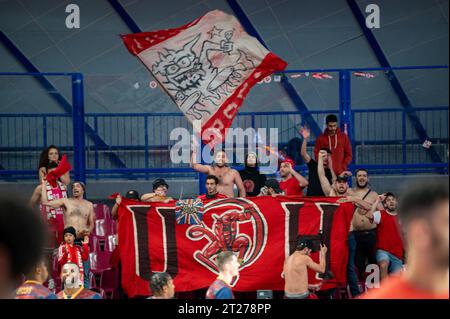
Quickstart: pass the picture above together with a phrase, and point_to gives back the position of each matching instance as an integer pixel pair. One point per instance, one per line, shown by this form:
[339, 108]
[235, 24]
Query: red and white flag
[207, 67]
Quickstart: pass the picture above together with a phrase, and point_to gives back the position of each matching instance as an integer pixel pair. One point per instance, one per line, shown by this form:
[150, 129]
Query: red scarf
[73, 256]
[62, 168]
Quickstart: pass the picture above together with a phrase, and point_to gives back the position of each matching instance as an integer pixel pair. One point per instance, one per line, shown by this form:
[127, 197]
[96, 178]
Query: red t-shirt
[388, 235]
[400, 288]
[217, 196]
[291, 186]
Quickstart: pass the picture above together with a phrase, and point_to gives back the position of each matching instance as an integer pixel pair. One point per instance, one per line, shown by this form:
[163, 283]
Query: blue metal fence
[137, 145]
[383, 139]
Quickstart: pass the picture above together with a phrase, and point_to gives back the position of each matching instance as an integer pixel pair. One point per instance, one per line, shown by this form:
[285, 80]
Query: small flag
[363, 75]
[321, 76]
[189, 211]
[296, 76]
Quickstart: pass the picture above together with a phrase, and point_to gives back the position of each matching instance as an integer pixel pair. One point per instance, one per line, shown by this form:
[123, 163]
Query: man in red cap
[292, 183]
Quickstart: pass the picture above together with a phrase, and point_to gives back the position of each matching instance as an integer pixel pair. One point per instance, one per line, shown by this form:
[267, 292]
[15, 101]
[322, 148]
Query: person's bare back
[296, 266]
[296, 274]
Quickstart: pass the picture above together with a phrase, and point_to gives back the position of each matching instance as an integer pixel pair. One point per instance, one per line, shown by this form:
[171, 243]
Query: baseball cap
[273, 183]
[132, 194]
[342, 179]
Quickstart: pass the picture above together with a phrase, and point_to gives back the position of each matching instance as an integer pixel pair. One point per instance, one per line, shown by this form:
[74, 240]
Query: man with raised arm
[292, 182]
[314, 187]
[341, 188]
[78, 213]
[227, 176]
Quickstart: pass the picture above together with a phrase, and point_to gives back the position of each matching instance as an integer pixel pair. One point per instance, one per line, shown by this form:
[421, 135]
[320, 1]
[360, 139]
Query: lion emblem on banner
[225, 233]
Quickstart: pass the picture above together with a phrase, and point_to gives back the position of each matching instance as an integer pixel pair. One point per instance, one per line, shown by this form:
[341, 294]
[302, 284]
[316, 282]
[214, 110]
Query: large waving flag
[207, 67]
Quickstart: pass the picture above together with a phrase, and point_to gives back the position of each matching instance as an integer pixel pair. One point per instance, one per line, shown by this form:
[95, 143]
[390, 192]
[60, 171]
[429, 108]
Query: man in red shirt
[292, 183]
[424, 217]
[68, 252]
[211, 189]
[337, 142]
[389, 243]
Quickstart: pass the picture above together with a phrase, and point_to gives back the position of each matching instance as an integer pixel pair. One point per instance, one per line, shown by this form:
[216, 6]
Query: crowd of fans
[375, 235]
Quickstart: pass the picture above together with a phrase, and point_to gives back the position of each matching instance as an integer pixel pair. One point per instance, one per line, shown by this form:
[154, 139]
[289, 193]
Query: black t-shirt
[314, 188]
[253, 180]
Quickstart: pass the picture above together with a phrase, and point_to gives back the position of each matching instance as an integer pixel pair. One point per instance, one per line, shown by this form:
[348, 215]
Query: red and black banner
[262, 231]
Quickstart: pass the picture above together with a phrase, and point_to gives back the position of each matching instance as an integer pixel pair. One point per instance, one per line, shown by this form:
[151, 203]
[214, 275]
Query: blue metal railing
[137, 144]
[128, 135]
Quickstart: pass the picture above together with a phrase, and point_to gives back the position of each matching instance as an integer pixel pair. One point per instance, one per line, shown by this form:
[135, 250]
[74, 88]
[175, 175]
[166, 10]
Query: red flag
[63, 167]
[207, 67]
[261, 231]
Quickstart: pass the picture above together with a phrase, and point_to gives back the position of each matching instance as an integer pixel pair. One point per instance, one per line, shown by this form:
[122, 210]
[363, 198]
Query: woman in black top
[251, 177]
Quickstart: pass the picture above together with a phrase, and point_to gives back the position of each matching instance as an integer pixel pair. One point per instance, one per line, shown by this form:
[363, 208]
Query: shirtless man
[78, 212]
[364, 231]
[227, 176]
[295, 271]
[359, 220]
[340, 186]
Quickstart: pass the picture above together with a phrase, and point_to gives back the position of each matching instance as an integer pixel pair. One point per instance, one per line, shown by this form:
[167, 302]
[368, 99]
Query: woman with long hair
[51, 154]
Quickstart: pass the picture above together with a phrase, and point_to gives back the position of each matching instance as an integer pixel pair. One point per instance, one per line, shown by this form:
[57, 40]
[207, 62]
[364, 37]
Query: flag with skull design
[207, 67]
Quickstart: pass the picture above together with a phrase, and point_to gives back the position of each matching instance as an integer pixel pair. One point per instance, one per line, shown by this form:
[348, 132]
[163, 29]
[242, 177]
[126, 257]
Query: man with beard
[227, 176]
[73, 287]
[424, 218]
[337, 142]
[292, 183]
[389, 246]
[211, 189]
[314, 186]
[252, 179]
[78, 213]
[341, 188]
[363, 229]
